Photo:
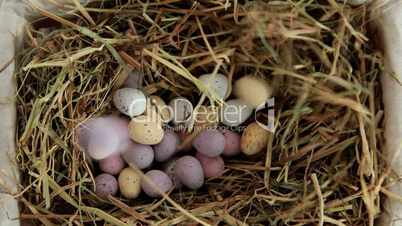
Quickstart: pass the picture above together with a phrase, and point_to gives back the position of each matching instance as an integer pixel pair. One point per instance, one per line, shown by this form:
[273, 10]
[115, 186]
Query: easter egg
[103, 136]
[169, 169]
[105, 185]
[254, 139]
[157, 106]
[129, 183]
[232, 143]
[210, 142]
[212, 166]
[140, 155]
[235, 112]
[182, 109]
[189, 171]
[129, 101]
[158, 182]
[144, 131]
[112, 164]
[218, 84]
[252, 90]
[167, 147]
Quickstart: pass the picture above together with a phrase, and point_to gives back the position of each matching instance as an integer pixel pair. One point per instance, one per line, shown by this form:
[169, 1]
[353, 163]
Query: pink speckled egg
[189, 171]
[212, 166]
[210, 142]
[232, 143]
[140, 155]
[160, 180]
[112, 164]
[167, 147]
[106, 184]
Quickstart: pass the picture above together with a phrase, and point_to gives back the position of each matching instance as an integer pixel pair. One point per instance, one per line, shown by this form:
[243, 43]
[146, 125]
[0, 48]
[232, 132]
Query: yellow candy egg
[252, 90]
[254, 139]
[143, 130]
[129, 183]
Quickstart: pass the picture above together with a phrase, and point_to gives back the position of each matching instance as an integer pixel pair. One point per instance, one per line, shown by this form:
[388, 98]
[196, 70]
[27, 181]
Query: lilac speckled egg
[159, 179]
[106, 184]
[169, 169]
[140, 155]
[210, 142]
[103, 136]
[212, 166]
[189, 171]
[167, 147]
[112, 164]
[232, 143]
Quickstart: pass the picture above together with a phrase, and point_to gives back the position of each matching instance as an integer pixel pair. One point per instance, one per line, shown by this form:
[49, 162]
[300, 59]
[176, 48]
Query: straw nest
[323, 164]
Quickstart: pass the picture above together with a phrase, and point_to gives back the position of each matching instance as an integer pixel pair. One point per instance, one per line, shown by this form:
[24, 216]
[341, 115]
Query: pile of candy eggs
[139, 150]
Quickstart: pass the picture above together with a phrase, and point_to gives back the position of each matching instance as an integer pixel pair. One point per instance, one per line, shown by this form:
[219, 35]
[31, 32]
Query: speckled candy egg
[103, 136]
[212, 166]
[112, 164]
[210, 142]
[129, 101]
[144, 131]
[167, 147]
[182, 109]
[217, 83]
[252, 90]
[160, 180]
[232, 143]
[158, 109]
[105, 184]
[129, 183]
[235, 112]
[140, 155]
[189, 171]
[254, 139]
[169, 169]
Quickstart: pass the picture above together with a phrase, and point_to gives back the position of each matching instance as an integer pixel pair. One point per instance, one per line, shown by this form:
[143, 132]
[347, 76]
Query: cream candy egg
[129, 101]
[103, 136]
[189, 171]
[235, 112]
[252, 90]
[140, 155]
[254, 139]
[158, 179]
[182, 109]
[145, 131]
[217, 83]
[158, 107]
[129, 183]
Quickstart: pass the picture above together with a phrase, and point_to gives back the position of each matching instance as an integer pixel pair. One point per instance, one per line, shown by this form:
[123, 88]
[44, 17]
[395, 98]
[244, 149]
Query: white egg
[217, 83]
[235, 112]
[182, 109]
[131, 102]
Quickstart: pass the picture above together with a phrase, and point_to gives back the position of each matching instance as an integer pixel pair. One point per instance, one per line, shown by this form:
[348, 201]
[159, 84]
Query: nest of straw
[323, 163]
